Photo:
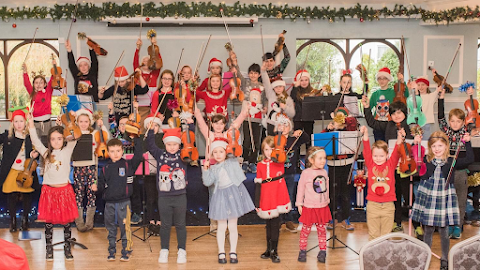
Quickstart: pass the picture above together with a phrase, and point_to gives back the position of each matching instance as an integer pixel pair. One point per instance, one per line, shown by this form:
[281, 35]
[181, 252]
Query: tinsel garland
[89, 11]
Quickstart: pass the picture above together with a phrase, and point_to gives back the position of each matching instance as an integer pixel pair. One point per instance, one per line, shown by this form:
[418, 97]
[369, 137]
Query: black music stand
[334, 237]
[319, 108]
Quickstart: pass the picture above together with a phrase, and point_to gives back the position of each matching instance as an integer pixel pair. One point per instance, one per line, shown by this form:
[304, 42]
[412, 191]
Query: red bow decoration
[172, 104]
[346, 71]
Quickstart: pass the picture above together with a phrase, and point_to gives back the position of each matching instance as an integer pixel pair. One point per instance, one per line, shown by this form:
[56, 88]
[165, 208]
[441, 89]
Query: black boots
[48, 241]
[67, 233]
[24, 224]
[273, 252]
[266, 254]
[13, 223]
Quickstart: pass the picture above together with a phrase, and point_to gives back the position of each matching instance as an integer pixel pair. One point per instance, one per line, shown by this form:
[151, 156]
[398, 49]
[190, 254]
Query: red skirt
[315, 215]
[57, 205]
[274, 199]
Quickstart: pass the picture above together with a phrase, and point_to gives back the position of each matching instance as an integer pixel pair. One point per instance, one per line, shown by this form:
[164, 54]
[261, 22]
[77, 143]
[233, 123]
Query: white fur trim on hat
[279, 83]
[218, 143]
[302, 73]
[149, 119]
[384, 72]
[283, 120]
[87, 112]
[172, 139]
[83, 59]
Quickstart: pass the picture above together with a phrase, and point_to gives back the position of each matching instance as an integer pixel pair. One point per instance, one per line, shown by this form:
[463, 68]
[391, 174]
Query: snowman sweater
[171, 171]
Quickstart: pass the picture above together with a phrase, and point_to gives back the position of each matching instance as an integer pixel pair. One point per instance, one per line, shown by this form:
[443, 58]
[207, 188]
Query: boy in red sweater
[381, 184]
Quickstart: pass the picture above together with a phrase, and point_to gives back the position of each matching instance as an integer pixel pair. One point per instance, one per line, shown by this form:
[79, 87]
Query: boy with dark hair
[115, 182]
[275, 72]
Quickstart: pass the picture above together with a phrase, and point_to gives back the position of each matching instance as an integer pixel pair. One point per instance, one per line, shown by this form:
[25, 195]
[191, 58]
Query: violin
[407, 163]
[439, 79]
[471, 105]
[279, 44]
[100, 140]
[235, 82]
[57, 81]
[419, 152]
[174, 122]
[189, 151]
[155, 62]
[180, 96]
[25, 178]
[71, 129]
[279, 154]
[132, 127]
[133, 81]
[399, 89]
[415, 115]
[233, 147]
[92, 44]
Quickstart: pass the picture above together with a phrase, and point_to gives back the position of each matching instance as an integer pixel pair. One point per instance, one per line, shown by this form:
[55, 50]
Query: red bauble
[361, 19]
[74, 19]
[251, 21]
[147, 19]
[221, 10]
[14, 25]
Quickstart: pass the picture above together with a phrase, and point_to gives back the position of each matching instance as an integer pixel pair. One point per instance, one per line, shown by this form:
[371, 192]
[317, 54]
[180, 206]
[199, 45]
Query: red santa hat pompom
[151, 118]
[214, 62]
[384, 72]
[218, 142]
[83, 59]
[172, 135]
[279, 82]
[423, 80]
[121, 73]
[85, 112]
[302, 73]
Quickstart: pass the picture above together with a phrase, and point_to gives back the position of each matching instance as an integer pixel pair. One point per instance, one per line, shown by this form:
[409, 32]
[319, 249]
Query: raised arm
[202, 126]
[152, 146]
[36, 141]
[94, 67]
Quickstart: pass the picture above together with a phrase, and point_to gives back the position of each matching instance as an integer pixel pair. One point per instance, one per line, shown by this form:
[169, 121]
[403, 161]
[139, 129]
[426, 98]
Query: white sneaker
[181, 256]
[163, 256]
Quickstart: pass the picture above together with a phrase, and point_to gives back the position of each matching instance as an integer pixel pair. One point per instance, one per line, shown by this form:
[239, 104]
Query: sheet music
[348, 141]
[351, 103]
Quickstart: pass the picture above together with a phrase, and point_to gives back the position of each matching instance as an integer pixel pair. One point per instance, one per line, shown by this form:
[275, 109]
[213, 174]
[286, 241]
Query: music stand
[319, 108]
[334, 143]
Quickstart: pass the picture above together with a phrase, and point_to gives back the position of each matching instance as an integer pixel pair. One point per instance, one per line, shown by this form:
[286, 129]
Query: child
[385, 94]
[312, 202]
[216, 97]
[302, 87]
[41, 95]
[455, 129]
[428, 102]
[57, 203]
[115, 183]
[117, 128]
[165, 88]
[214, 68]
[275, 72]
[186, 81]
[271, 197]
[84, 72]
[277, 100]
[437, 205]
[122, 97]
[85, 172]
[229, 200]
[172, 191]
[381, 184]
[17, 147]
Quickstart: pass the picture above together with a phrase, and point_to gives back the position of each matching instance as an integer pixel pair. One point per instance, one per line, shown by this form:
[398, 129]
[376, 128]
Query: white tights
[233, 234]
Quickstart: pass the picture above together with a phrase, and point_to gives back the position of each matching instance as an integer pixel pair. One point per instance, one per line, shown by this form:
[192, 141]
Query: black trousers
[273, 228]
[402, 188]
[174, 212]
[152, 198]
[14, 197]
[342, 191]
[136, 199]
[248, 153]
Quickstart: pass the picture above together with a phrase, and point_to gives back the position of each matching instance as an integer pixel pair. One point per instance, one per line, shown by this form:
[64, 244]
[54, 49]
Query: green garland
[90, 11]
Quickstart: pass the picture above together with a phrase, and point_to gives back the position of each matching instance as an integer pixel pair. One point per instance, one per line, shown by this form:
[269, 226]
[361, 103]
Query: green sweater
[389, 95]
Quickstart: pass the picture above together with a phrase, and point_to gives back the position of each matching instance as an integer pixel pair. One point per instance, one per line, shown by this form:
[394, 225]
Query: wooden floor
[202, 254]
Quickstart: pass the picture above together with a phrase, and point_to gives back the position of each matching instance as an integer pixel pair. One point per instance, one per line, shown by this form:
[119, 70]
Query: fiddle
[280, 43]
[92, 44]
[399, 89]
[155, 62]
[407, 164]
[418, 151]
[279, 154]
[57, 81]
[180, 95]
[100, 140]
[439, 80]
[471, 105]
[234, 148]
[25, 178]
[189, 152]
[235, 82]
[132, 126]
[415, 115]
[71, 129]
[133, 80]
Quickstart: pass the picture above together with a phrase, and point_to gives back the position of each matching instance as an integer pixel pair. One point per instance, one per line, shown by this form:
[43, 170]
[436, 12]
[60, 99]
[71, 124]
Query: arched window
[13, 53]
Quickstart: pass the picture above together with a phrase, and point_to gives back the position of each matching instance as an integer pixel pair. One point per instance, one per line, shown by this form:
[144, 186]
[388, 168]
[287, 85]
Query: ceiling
[427, 4]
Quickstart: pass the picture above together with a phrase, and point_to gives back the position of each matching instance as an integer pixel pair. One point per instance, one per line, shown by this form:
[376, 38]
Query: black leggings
[14, 197]
[273, 228]
[248, 153]
[136, 199]
[402, 188]
[444, 239]
[173, 211]
[152, 198]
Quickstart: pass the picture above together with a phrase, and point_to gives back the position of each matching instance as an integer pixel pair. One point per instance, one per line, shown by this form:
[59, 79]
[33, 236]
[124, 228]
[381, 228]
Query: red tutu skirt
[57, 205]
[315, 215]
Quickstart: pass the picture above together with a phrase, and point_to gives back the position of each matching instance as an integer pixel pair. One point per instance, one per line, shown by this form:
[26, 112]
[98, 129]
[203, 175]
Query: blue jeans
[115, 214]
[290, 181]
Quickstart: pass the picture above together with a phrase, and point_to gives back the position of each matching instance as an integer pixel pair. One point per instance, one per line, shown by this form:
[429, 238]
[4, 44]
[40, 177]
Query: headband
[314, 153]
[438, 137]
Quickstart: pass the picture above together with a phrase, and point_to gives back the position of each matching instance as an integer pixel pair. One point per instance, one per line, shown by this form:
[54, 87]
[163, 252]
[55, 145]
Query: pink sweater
[43, 101]
[307, 195]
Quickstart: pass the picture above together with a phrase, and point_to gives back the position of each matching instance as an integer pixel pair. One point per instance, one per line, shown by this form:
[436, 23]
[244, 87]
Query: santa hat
[423, 80]
[342, 110]
[219, 142]
[151, 118]
[279, 82]
[20, 112]
[121, 73]
[165, 168]
[86, 112]
[256, 89]
[302, 73]
[384, 72]
[282, 119]
[172, 135]
[83, 59]
[214, 62]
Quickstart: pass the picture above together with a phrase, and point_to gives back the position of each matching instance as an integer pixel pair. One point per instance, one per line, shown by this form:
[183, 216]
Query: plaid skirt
[435, 205]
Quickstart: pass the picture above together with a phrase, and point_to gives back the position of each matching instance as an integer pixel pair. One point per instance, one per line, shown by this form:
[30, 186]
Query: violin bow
[155, 115]
[368, 68]
[199, 56]
[349, 179]
[226, 27]
[263, 46]
[141, 21]
[203, 55]
[405, 55]
[329, 70]
[73, 20]
[179, 62]
[305, 62]
[451, 64]
[294, 142]
[116, 65]
[457, 151]
[31, 44]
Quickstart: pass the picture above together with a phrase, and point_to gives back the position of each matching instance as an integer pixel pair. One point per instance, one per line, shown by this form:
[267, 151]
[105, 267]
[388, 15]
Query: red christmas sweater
[152, 77]
[225, 82]
[381, 178]
[215, 103]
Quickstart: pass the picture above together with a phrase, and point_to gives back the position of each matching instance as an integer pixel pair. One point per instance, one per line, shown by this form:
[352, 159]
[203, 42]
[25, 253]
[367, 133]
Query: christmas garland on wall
[90, 11]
